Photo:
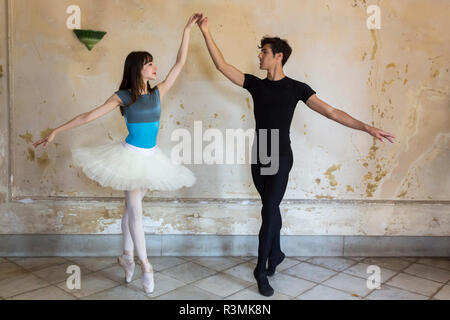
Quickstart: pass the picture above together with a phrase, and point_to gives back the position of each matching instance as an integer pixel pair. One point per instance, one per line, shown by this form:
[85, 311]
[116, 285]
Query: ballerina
[136, 164]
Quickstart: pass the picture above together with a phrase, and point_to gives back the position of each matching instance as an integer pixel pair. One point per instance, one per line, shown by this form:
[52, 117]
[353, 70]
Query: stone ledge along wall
[343, 182]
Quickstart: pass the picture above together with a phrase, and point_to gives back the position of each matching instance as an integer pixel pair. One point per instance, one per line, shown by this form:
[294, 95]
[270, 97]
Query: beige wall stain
[43, 161]
[248, 103]
[375, 44]
[30, 155]
[45, 133]
[28, 137]
[330, 176]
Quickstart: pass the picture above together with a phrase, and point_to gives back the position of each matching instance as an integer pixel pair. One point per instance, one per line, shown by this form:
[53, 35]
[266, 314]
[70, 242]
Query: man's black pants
[271, 189]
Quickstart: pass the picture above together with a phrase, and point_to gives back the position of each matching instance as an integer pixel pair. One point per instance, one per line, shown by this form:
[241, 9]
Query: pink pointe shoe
[128, 265]
[147, 277]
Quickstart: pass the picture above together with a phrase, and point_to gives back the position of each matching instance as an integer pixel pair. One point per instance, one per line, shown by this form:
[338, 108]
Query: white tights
[132, 228]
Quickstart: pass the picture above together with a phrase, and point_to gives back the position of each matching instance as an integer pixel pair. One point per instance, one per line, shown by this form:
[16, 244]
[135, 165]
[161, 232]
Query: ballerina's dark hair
[132, 79]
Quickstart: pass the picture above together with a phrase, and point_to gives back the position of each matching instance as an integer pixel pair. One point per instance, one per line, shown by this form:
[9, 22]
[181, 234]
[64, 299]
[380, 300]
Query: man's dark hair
[277, 45]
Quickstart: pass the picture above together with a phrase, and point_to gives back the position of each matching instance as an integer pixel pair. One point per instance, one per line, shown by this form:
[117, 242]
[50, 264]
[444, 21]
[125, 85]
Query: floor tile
[289, 285]
[222, 284]
[356, 258]
[46, 293]
[390, 293]
[410, 259]
[348, 283]
[310, 272]
[287, 263]
[116, 273]
[414, 284]
[444, 293]
[300, 258]
[392, 263]
[243, 271]
[333, 263]
[188, 272]
[321, 292]
[428, 272]
[161, 263]
[360, 270]
[57, 273]
[10, 270]
[90, 284]
[118, 293]
[436, 262]
[218, 263]
[20, 284]
[163, 284]
[189, 292]
[94, 263]
[37, 263]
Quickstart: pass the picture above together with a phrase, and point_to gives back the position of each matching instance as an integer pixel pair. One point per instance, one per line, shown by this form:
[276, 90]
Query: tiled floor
[298, 278]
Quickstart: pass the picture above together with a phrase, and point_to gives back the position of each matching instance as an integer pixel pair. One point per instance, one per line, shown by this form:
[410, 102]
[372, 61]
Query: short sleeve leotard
[141, 118]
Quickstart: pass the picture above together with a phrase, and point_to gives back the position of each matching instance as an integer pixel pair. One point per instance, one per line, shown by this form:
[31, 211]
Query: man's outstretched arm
[345, 119]
[229, 71]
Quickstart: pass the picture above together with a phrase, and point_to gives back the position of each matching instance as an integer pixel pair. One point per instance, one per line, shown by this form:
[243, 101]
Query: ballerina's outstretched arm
[81, 119]
[165, 85]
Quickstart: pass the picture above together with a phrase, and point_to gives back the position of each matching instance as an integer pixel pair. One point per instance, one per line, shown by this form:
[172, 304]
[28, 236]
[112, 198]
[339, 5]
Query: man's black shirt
[274, 102]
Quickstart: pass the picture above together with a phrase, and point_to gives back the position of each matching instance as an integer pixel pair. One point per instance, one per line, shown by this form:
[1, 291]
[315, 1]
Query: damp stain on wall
[372, 179]
[45, 133]
[43, 161]
[248, 103]
[375, 44]
[28, 137]
[330, 176]
[30, 155]
[319, 196]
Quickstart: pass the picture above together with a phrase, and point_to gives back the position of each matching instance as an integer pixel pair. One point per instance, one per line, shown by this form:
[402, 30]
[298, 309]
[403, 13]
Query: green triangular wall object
[89, 37]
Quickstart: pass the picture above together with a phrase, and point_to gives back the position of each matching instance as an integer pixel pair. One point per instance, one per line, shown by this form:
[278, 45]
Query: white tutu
[119, 166]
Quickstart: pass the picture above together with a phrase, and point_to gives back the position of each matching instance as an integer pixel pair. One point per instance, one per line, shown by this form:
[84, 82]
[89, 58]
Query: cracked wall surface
[395, 78]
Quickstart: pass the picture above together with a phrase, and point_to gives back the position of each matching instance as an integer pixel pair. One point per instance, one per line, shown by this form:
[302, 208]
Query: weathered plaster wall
[343, 181]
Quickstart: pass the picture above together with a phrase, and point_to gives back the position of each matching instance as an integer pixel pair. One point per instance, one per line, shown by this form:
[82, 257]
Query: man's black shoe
[263, 285]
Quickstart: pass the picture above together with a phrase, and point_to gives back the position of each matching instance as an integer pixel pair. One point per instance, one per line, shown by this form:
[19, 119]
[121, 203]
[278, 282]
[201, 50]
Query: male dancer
[274, 99]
